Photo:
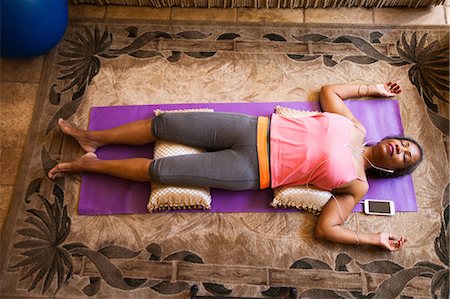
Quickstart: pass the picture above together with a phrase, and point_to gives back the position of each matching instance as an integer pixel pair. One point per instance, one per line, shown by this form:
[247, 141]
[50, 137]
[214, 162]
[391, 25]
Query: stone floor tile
[203, 14]
[10, 159]
[270, 15]
[137, 12]
[86, 10]
[17, 104]
[339, 15]
[6, 192]
[433, 15]
[21, 70]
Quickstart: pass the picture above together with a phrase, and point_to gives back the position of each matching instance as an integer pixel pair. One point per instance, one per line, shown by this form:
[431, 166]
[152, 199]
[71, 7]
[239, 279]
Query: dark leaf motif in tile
[33, 187]
[135, 282]
[441, 243]
[228, 36]
[83, 52]
[107, 270]
[176, 55]
[54, 97]
[445, 203]
[342, 260]
[168, 288]
[58, 192]
[145, 54]
[45, 258]
[132, 31]
[430, 70]
[419, 82]
[429, 265]
[70, 247]
[393, 286]
[140, 42]
[366, 48]
[375, 37]
[77, 95]
[359, 295]
[217, 289]
[316, 293]
[93, 287]
[200, 54]
[299, 57]
[359, 59]
[185, 256]
[440, 284]
[118, 252]
[328, 60]
[65, 112]
[109, 55]
[314, 37]
[439, 122]
[155, 251]
[275, 37]
[48, 163]
[276, 292]
[385, 267]
[193, 35]
[309, 263]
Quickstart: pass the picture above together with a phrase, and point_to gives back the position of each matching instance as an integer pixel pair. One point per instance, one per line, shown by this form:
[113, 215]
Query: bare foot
[79, 165]
[82, 136]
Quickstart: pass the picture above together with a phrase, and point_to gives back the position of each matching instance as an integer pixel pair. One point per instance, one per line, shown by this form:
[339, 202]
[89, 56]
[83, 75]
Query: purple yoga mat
[103, 195]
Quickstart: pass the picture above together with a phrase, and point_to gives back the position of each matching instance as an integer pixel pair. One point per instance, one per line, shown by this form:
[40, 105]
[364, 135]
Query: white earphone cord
[332, 195]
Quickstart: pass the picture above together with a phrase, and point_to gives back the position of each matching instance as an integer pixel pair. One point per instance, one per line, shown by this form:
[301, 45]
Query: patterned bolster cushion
[173, 197]
[300, 197]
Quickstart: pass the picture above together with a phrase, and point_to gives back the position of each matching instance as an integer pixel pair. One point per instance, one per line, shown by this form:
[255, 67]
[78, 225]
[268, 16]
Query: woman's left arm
[329, 224]
[331, 96]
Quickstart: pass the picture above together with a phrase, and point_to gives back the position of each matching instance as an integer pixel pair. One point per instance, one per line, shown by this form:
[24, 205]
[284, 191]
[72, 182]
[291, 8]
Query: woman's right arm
[329, 225]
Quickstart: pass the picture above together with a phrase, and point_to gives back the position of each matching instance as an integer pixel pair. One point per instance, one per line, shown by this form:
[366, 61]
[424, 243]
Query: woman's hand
[390, 242]
[389, 89]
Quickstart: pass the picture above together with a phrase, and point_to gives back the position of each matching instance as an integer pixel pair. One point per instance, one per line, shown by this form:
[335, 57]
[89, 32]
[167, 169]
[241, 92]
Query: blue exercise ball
[31, 27]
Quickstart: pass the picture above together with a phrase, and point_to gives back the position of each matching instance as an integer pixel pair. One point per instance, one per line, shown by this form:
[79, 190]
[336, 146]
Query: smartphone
[379, 207]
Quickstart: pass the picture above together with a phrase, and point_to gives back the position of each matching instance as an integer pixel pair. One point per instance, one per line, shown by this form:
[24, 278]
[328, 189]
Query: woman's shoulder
[354, 121]
[357, 188]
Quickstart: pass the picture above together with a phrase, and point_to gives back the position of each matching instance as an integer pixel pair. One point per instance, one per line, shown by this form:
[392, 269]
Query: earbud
[376, 167]
[383, 169]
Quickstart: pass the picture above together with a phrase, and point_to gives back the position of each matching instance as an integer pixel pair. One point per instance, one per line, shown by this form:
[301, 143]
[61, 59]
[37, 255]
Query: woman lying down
[326, 150]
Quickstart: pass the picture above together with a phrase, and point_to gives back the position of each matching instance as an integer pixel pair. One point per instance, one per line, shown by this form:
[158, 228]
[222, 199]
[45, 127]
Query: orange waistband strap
[263, 153]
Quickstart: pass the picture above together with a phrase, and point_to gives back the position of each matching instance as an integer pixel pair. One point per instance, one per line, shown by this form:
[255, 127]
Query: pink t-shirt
[311, 150]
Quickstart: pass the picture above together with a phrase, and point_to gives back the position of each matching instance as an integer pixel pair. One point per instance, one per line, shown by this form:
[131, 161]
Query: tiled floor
[19, 79]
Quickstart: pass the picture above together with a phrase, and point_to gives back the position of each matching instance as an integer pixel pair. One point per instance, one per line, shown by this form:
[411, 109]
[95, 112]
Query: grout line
[16, 81]
[106, 12]
[445, 14]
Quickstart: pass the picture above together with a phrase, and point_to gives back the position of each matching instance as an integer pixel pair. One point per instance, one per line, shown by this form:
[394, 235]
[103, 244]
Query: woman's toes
[52, 172]
[90, 155]
[65, 127]
[58, 170]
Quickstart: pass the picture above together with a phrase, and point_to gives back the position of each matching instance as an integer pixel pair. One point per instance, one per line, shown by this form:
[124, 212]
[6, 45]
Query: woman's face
[395, 154]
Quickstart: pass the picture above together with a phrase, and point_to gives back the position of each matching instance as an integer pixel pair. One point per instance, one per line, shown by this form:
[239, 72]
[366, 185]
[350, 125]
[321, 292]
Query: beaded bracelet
[367, 91]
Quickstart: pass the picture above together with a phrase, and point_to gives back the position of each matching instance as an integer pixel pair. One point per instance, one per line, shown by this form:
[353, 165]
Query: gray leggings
[230, 161]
